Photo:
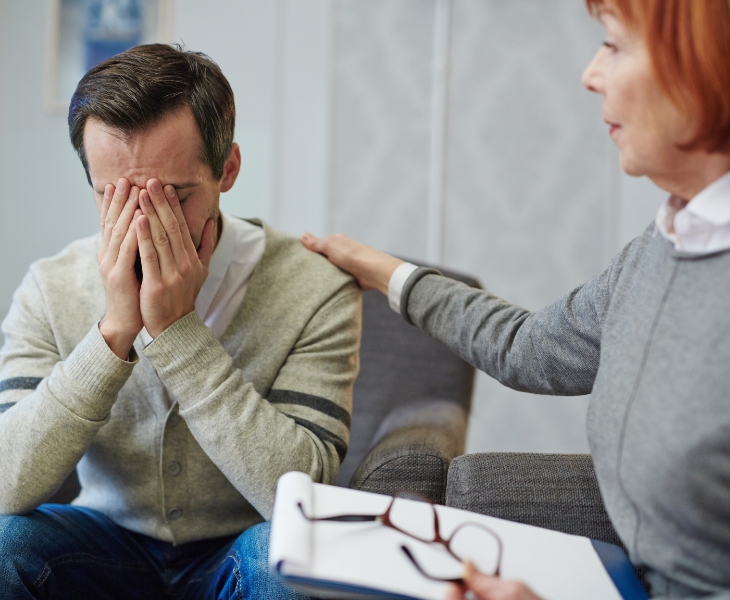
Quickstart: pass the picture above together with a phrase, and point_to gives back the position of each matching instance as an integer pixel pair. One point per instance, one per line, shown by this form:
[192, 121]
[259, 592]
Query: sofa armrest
[555, 491]
[413, 449]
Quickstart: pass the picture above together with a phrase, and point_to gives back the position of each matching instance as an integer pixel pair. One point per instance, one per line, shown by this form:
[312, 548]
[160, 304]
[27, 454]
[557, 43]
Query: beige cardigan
[187, 441]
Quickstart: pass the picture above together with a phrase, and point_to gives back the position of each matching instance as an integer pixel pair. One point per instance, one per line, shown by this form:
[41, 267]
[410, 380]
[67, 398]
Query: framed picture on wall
[82, 33]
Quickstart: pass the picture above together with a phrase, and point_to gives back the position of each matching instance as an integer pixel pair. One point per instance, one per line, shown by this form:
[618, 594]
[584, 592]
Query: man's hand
[483, 587]
[122, 320]
[369, 266]
[174, 271]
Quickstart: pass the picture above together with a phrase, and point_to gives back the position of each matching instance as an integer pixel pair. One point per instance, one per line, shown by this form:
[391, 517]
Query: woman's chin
[630, 165]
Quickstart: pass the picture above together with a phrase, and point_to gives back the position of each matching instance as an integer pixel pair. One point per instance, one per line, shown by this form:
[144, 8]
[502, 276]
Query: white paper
[555, 565]
[291, 539]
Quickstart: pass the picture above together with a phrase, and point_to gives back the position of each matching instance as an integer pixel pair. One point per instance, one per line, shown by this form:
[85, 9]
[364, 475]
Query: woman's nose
[592, 75]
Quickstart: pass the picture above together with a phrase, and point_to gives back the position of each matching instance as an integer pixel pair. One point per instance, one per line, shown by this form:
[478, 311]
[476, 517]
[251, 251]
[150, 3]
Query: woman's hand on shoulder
[484, 587]
[369, 266]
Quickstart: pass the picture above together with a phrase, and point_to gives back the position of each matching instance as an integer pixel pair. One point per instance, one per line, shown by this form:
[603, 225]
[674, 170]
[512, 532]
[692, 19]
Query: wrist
[119, 341]
[157, 329]
[381, 269]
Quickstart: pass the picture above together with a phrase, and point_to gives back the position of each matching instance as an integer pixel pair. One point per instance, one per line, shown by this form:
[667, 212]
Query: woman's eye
[610, 45]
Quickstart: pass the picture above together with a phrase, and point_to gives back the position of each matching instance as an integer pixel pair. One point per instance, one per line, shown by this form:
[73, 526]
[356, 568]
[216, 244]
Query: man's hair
[134, 90]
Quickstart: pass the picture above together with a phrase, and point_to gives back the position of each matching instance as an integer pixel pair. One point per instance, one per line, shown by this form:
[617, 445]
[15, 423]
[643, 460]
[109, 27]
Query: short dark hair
[137, 88]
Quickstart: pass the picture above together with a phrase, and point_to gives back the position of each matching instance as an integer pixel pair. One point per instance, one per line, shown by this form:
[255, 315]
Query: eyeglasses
[419, 520]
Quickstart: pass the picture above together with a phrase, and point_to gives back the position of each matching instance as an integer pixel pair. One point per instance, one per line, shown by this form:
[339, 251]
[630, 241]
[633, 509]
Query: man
[181, 399]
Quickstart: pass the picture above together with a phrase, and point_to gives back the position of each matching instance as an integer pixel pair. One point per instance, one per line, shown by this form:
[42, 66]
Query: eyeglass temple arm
[341, 518]
[410, 556]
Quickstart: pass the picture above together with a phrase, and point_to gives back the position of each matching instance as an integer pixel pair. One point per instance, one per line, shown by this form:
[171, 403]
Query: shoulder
[288, 262]
[643, 252]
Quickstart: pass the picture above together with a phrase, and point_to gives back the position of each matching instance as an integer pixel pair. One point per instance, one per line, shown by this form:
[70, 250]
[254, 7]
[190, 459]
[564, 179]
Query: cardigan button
[174, 469]
[174, 513]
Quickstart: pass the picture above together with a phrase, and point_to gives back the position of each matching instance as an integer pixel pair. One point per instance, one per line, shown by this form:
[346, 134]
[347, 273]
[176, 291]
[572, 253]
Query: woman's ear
[231, 168]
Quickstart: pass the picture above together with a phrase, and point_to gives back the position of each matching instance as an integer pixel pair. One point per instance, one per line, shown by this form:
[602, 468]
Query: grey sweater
[188, 441]
[649, 339]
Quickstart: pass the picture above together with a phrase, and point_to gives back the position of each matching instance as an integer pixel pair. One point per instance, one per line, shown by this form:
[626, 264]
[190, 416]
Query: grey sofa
[555, 491]
[410, 409]
[411, 404]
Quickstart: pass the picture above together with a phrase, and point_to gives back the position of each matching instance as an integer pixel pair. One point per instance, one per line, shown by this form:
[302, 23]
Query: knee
[252, 547]
[254, 578]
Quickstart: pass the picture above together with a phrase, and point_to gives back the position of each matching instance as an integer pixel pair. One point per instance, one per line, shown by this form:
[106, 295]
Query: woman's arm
[551, 351]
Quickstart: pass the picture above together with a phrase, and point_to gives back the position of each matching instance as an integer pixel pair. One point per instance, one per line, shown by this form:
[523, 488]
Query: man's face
[169, 151]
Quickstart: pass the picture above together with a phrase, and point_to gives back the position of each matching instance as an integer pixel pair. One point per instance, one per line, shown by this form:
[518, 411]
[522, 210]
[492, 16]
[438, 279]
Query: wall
[454, 131]
[45, 201]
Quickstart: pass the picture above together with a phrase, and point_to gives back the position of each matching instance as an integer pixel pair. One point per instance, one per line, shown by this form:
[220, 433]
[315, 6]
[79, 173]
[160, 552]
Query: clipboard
[356, 560]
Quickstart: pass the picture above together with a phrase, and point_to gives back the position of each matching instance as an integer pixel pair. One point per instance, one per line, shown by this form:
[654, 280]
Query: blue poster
[112, 26]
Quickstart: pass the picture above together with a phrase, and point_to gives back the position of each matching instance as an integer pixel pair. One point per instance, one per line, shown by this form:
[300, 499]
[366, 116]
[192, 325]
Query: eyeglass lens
[469, 542]
[416, 519]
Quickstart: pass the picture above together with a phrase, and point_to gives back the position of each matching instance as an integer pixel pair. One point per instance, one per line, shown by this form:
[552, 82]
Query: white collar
[219, 262]
[713, 203]
[702, 225]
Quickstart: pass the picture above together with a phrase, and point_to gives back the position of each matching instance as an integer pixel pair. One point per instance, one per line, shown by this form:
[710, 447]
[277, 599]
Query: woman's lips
[612, 128]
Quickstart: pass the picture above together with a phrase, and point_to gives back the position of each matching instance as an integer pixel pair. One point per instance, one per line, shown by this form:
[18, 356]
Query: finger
[121, 193]
[490, 588]
[207, 244]
[476, 581]
[454, 592]
[167, 218]
[106, 201]
[128, 249]
[174, 201]
[313, 243]
[119, 231]
[158, 235]
[147, 251]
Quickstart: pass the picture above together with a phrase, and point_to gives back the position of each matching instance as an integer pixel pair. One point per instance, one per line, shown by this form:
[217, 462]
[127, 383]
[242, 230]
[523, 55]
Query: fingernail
[122, 186]
[145, 197]
[169, 192]
[133, 193]
[155, 187]
[108, 191]
[144, 224]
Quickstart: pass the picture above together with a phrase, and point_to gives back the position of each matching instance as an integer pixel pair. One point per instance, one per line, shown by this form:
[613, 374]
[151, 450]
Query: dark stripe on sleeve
[317, 403]
[6, 406]
[20, 383]
[324, 435]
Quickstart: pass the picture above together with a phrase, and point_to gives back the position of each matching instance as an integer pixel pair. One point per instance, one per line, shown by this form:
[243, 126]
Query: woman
[649, 338]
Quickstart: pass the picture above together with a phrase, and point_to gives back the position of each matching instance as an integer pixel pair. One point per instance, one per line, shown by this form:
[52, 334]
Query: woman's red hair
[689, 45]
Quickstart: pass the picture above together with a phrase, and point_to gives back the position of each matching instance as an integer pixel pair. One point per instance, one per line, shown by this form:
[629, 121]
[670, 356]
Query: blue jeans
[60, 551]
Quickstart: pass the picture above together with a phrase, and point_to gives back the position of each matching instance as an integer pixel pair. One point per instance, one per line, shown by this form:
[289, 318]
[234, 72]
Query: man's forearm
[44, 433]
[302, 425]
[252, 445]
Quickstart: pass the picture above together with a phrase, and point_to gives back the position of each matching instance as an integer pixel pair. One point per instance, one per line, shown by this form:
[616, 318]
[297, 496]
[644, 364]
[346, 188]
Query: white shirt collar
[702, 225]
[218, 266]
[713, 203]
